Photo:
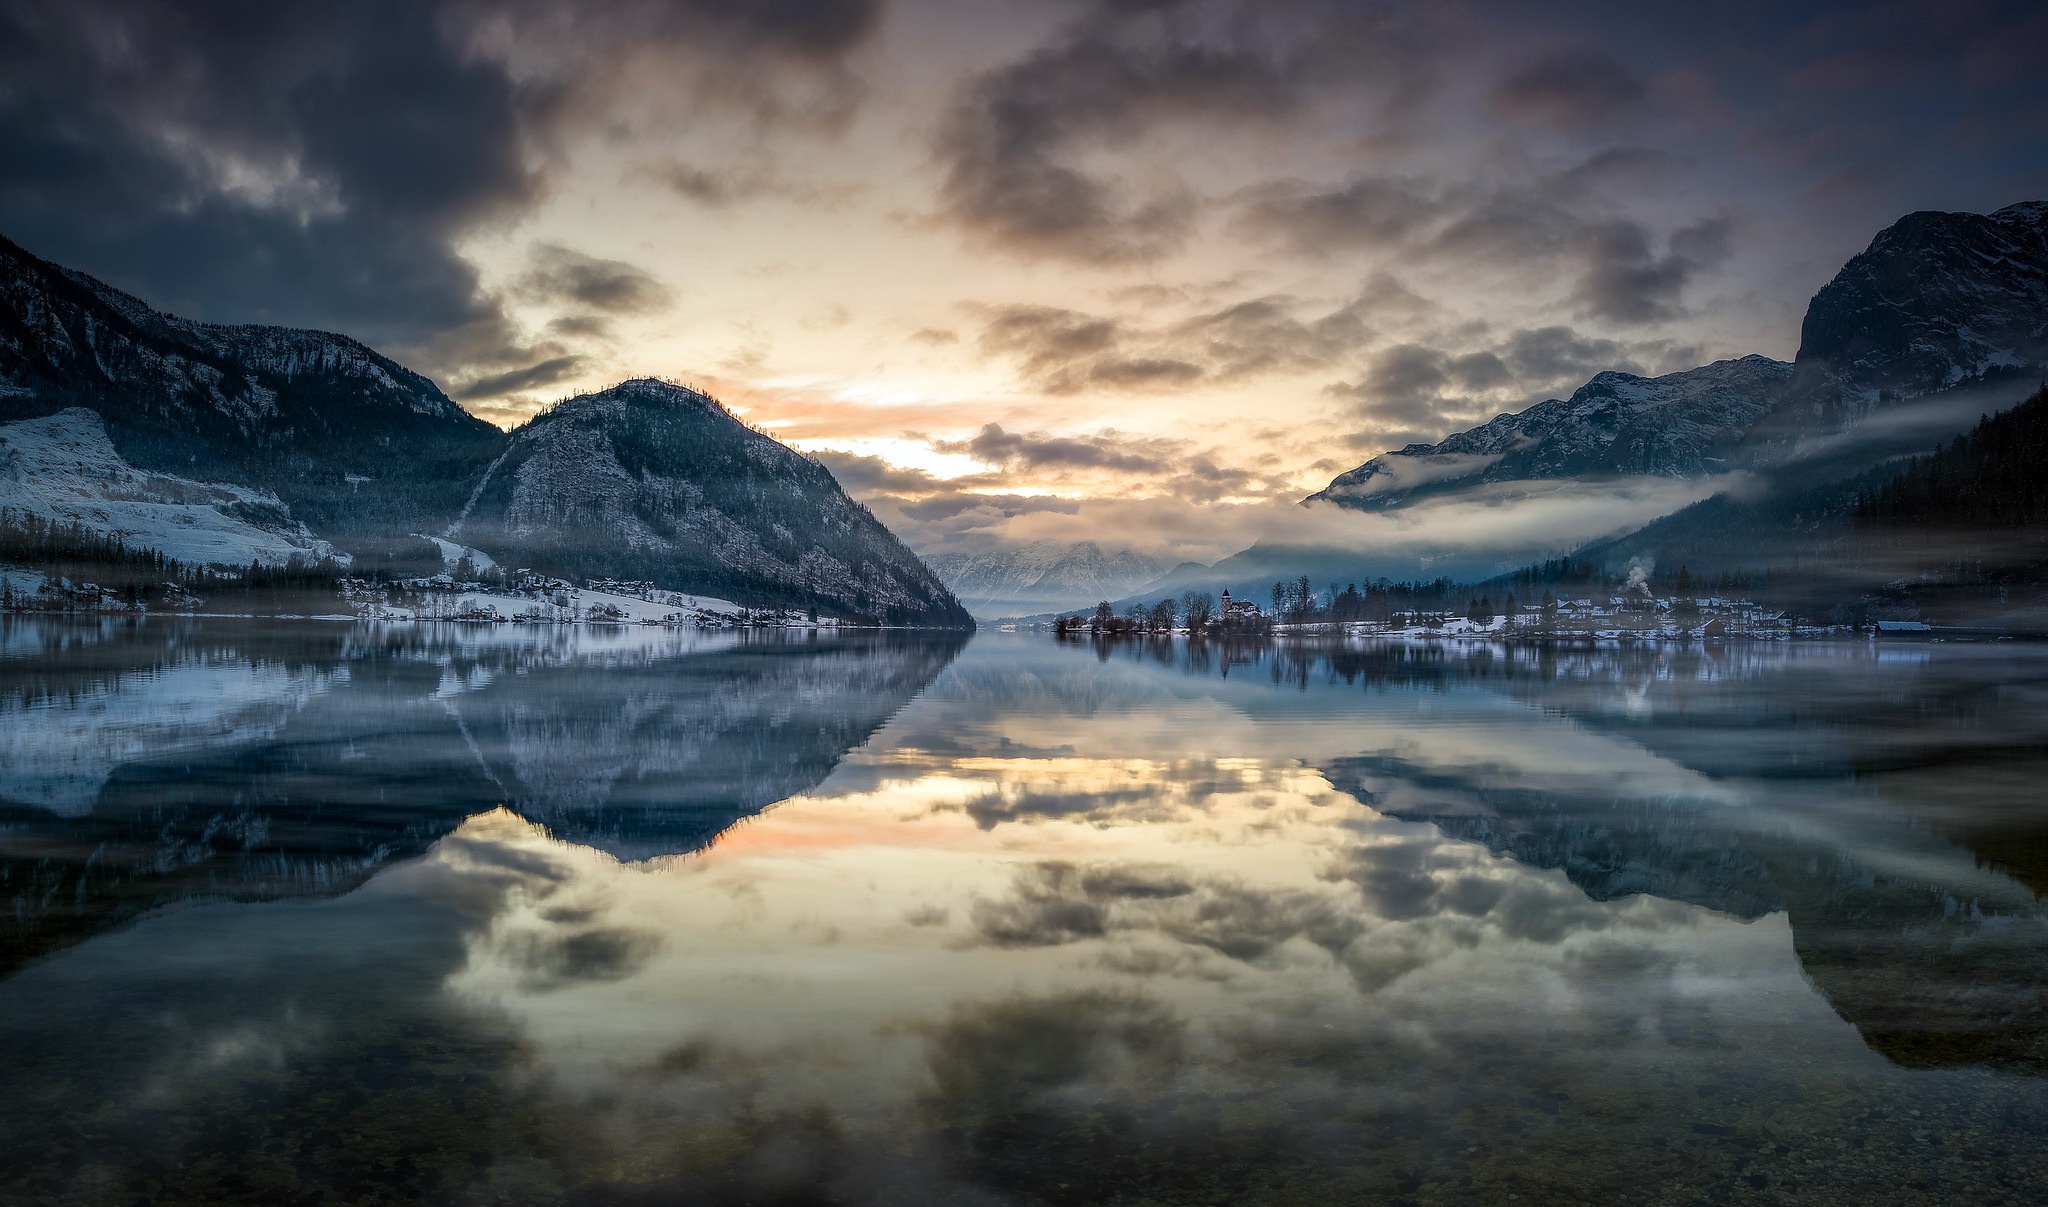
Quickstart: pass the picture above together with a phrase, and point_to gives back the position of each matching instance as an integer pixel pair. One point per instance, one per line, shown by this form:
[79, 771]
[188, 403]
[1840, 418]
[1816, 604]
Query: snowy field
[63, 467]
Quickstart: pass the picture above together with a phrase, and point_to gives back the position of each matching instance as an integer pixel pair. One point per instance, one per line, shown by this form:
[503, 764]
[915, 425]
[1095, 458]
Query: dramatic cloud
[1366, 212]
[1106, 450]
[1625, 283]
[1151, 266]
[1568, 90]
[1066, 352]
[1011, 145]
[322, 165]
[559, 274]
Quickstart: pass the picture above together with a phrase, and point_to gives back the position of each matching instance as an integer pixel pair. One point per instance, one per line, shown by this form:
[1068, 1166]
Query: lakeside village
[64, 567]
[522, 598]
[1631, 610]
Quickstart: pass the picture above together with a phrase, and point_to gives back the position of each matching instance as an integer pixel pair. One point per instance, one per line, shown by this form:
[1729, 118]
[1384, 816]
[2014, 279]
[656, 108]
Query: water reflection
[1097, 926]
[148, 763]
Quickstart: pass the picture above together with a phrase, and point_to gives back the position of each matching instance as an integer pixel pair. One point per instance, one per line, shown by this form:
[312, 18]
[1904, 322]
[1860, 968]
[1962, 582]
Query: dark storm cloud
[300, 164]
[1567, 90]
[1064, 351]
[545, 373]
[560, 274]
[1409, 384]
[1422, 392]
[1558, 353]
[317, 164]
[1012, 146]
[1006, 145]
[1626, 282]
[1038, 450]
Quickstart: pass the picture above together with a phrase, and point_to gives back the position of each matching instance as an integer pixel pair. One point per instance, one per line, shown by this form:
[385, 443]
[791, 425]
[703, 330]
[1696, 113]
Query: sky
[1138, 271]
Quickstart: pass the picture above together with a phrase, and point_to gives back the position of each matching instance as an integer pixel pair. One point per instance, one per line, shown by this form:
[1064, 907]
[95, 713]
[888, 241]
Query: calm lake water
[319, 913]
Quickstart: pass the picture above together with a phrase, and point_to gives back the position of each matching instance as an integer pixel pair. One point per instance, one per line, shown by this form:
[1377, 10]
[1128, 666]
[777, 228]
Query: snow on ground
[567, 605]
[22, 582]
[452, 554]
[63, 467]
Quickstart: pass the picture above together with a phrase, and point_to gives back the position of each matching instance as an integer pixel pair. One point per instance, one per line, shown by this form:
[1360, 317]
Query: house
[1714, 628]
[1239, 610]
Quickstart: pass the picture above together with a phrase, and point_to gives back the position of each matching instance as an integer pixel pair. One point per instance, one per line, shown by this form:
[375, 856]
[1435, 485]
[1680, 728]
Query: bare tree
[1197, 607]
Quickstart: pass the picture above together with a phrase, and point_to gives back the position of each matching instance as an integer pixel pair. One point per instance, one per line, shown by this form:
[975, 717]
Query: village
[1635, 613]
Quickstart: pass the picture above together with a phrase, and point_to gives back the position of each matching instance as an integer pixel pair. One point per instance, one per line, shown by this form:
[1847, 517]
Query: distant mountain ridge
[1937, 301]
[1041, 576]
[643, 481]
[1941, 319]
[1678, 425]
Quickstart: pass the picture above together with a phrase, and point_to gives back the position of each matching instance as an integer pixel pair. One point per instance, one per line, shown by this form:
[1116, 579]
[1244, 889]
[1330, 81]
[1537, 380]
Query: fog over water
[478, 914]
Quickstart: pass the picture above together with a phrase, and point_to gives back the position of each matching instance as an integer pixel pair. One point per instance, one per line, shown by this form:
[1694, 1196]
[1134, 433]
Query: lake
[328, 913]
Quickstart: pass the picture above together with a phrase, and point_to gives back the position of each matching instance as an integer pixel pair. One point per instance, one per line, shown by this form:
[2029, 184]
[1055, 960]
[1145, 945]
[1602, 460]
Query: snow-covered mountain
[352, 442]
[651, 480]
[63, 468]
[1042, 576]
[310, 437]
[1679, 425]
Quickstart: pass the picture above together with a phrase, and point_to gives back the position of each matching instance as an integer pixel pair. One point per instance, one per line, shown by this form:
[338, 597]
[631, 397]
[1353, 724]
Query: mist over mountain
[1041, 576]
[1678, 425]
[228, 445]
[1938, 302]
[1942, 320]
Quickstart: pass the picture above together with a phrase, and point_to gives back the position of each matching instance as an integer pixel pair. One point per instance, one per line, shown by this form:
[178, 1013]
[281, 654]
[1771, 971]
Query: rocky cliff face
[1678, 425]
[651, 480]
[1936, 300]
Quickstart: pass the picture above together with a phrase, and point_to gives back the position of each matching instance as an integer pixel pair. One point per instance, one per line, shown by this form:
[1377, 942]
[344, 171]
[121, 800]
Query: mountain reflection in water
[1031, 923]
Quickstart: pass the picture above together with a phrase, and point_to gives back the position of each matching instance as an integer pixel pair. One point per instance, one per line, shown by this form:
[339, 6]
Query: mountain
[664, 482]
[1959, 535]
[1679, 425]
[1041, 576]
[350, 441]
[1935, 301]
[234, 443]
[63, 468]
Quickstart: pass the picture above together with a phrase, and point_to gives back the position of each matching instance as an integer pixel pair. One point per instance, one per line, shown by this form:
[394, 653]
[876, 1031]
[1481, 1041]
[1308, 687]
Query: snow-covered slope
[1678, 425]
[350, 440]
[1041, 576]
[652, 481]
[63, 467]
